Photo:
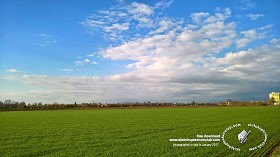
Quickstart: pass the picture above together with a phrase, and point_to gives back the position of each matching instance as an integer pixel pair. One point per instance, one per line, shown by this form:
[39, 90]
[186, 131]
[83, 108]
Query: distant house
[275, 96]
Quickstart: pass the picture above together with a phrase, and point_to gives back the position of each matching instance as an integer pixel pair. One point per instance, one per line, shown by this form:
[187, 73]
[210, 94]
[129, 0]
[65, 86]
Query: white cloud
[198, 17]
[265, 27]
[247, 4]
[164, 25]
[9, 77]
[91, 55]
[82, 62]
[209, 37]
[86, 60]
[274, 40]
[79, 63]
[116, 26]
[169, 79]
[204, 17]
[163, 4]
[242, 42]
[46, 39]
[12, 70]
[66, 70]
[252, 35]
[259, 65]
[254, 16]
[171, 52]
[139, 9]
[120, 1]
[121, 23]
[94, 62]
[112, 89]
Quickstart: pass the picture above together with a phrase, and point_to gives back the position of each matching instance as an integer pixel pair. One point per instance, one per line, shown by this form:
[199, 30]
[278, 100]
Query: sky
[136, 51]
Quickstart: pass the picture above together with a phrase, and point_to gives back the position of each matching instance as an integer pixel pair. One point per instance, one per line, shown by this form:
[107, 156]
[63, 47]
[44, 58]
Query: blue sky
[120, 50]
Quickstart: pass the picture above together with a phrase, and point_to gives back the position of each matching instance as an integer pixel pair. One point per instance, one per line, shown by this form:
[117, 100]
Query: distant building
[275, 96]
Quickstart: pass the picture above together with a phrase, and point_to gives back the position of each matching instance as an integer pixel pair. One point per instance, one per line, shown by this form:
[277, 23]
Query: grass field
[133, 132]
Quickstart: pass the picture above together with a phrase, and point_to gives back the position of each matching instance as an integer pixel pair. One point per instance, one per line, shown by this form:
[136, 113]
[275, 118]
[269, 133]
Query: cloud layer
[172, 59]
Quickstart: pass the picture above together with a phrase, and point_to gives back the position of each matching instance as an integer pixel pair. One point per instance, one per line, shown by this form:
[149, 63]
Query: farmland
[133, 132]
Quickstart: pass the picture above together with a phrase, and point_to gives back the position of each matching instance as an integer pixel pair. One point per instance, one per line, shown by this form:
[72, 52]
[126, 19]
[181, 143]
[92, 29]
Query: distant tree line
[13, 105]
[245, 103]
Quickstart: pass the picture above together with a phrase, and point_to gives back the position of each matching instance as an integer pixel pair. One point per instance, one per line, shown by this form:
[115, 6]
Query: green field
[133, 132]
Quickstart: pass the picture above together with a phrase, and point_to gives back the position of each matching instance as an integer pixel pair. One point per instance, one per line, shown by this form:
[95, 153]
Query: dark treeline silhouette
[13, 105]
